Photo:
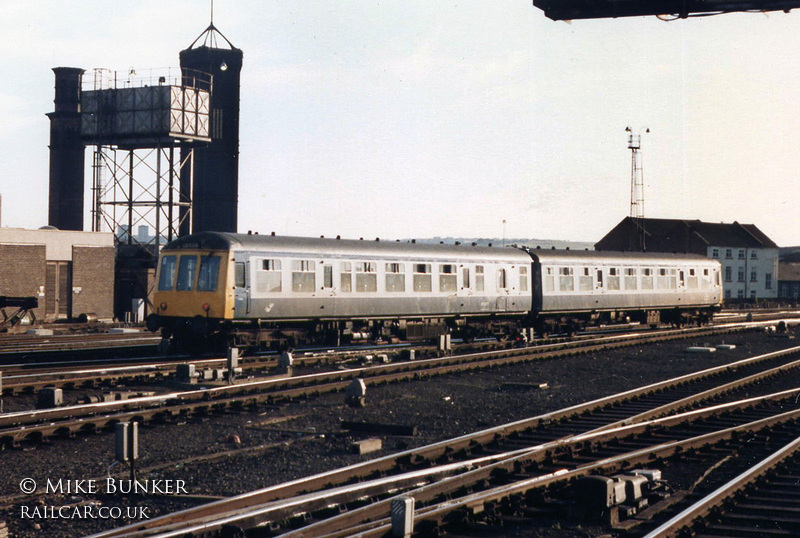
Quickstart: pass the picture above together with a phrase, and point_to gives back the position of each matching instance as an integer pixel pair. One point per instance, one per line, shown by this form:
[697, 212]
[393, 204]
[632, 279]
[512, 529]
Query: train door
[241, 293]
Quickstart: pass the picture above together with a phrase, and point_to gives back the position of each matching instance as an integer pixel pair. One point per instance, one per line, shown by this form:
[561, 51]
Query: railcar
[577, 288]
[254, 289]
[248, 290]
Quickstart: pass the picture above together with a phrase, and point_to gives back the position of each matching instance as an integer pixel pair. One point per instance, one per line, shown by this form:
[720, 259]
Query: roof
[554, 256]
[343, 247]
[679, 235]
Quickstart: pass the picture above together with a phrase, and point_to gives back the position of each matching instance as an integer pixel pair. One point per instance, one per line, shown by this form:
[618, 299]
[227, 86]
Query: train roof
[570, 256]
[342, 247]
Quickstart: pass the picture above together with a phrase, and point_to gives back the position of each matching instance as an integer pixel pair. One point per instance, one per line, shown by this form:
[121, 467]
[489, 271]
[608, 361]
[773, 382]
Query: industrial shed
[71, 273]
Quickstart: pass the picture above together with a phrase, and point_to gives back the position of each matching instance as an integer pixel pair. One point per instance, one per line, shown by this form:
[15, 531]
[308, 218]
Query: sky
[412, 118]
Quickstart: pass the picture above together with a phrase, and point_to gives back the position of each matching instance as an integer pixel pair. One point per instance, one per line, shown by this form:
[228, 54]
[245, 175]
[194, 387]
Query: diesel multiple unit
[254, 289]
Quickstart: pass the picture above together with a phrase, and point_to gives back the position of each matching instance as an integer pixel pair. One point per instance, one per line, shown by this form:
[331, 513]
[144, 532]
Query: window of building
[752, 294]
[395, 277]
[728, 274]
[741, 253]
[729, 253]
[187, 269]
[209, 273]
[753, 276]
[740, 294]
[422, 277]
[768, 280]
[727, 294]
[447, 278]
[346, 277]
[479, 278]
[268, 277]
[523, 278]
[167, 273]
[715, 253]
[753, 254]
[740, 274]
[366, 277]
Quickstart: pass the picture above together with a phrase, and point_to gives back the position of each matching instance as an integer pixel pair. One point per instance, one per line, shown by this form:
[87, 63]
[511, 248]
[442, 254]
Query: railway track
[457, 480]
[66, 421]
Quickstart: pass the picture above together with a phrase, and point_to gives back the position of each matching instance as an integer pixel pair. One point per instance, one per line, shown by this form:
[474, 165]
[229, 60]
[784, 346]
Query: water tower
[215, 188]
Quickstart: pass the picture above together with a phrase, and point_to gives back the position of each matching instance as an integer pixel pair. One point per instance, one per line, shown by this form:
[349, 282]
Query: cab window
[186, 273]
[209, 272]
[167, 273]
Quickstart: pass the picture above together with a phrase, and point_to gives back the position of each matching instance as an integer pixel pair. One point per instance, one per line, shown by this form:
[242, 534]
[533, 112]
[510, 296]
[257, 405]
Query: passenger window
[465, 277]
[240, 275]
[422, 277]
[566, 282]
[447, 278]
[647, 279]
[585, 280]
[346, 277]
[630, 278]
[327, 276]
[167, 273]
[395, 277]
[613, 278]
[599, 278]
[479, 278]
[523, 278]
[366, 277]
[268, 278]
[186, 273]
[501, 279]
[209, 273]
[304, 276]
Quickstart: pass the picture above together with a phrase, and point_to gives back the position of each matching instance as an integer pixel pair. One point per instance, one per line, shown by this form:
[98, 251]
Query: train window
[346, 278]
[209, 273]
[187, 268]
[366, 277]
[673, 279]
[240, 275]
[422, 277]
[681, 278]
[692, 281]
[501, 279]
[395, 277]
[613, 278]
[549, 279]
[167, 273]
[662, 281]
[447, 278]
[465, 277]
[630, 278]
[523, 278]
[268, 279]
[327, 276]
[565, 280]
[599, 278]
[585, 282]
[479, 278]
[304, 276]
[647, 279]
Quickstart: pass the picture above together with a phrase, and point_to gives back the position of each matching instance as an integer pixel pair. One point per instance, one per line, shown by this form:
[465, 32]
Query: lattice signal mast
[637, 176]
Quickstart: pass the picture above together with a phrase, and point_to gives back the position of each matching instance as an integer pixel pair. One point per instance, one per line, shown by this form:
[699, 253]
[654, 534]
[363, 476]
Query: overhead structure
[137, 124]
[601, 9]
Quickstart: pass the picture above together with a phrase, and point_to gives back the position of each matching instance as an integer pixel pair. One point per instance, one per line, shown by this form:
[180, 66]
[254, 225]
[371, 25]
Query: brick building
[749, 258]
[70, 272]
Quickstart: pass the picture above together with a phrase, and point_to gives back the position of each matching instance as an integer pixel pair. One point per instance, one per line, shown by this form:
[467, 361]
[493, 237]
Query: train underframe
[200, 334]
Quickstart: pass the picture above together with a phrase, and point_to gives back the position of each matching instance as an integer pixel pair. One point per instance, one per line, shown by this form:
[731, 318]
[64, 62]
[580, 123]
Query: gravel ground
[257, 449]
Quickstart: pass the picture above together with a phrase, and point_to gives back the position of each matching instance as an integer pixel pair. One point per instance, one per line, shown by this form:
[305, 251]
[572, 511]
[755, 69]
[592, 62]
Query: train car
[575, 288]
[256, 289]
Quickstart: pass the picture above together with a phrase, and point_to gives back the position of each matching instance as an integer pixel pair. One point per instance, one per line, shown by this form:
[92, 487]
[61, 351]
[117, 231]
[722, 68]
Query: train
[251, 290]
